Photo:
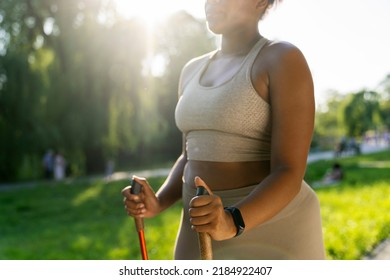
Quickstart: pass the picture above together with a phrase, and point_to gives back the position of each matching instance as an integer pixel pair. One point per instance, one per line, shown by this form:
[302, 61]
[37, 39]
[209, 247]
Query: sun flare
[152, 13]
[149, 11]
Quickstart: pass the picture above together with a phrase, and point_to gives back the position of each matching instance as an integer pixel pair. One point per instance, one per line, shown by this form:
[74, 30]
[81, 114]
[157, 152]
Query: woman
[246, 112]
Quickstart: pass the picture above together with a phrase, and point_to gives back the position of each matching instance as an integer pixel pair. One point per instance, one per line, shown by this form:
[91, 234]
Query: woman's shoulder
[196, 62]
[278, 58]
[280, 46]
[282, 51]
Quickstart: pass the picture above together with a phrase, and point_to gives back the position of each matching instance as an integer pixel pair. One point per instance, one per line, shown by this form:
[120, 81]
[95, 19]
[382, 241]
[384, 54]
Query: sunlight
[149, 11]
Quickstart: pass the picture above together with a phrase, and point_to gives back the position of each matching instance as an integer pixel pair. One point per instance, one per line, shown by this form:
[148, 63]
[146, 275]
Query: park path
[364, 148]
[381, 252]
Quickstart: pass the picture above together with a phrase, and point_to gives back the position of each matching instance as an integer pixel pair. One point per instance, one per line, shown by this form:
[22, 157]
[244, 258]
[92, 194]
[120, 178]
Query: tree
[328, 125]
[384, 89]
[62, 67]
[72, 78]
[361, 112]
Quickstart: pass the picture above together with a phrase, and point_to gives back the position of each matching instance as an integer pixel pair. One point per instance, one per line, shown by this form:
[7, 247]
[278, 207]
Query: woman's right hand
[142, 205]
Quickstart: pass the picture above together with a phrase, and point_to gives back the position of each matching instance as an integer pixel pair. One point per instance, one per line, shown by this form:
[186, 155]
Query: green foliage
[352, 115]
[21, 123]
[328, 125]
[361, 113]
[72, 78]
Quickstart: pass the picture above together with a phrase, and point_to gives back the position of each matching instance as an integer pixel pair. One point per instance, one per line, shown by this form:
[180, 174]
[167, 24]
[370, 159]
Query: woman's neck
[240, 44]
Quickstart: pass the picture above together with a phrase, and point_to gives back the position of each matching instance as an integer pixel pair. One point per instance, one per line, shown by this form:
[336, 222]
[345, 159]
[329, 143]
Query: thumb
[200, 183]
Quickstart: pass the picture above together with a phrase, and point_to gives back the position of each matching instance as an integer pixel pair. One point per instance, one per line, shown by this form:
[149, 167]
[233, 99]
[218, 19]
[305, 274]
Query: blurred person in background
[48, 164]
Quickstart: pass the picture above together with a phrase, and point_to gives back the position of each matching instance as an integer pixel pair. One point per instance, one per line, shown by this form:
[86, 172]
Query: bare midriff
[226, 175]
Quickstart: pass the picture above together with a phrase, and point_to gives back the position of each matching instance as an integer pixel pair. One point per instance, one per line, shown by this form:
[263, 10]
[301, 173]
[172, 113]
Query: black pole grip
[201, 191]
[135, 187]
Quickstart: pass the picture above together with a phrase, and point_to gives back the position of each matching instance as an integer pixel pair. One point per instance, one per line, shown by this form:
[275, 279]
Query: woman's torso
[227, 175]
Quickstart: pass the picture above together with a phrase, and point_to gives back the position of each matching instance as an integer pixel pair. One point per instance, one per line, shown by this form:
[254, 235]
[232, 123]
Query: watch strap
[237, 218]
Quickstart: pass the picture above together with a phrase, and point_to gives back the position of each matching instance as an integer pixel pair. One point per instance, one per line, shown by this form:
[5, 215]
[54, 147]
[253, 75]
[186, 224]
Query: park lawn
[79, 220]
[85, 219]
[355, 212]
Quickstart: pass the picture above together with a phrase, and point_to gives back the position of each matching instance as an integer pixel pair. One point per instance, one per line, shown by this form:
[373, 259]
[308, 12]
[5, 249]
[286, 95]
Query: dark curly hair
[270, 4]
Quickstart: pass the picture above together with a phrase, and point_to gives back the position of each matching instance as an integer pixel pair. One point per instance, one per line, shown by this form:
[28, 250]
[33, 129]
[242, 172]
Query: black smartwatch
[237, 218]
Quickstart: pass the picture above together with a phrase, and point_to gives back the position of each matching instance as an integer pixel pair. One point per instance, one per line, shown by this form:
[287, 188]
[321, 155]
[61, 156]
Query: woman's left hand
[207, 214]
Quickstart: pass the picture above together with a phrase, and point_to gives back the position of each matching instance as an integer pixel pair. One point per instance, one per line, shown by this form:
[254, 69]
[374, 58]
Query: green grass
[356, 211]
[86, 220]
[79, 221]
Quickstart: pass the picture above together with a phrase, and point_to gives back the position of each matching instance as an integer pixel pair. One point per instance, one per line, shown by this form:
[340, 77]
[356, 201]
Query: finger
[136, 213]
[140, 180]
[200, 183]
[201, 228]
[199, 201]
[131, 197]
[126, 191]
[200, 220]
[198, 208]
[133, 203]
[133, 208]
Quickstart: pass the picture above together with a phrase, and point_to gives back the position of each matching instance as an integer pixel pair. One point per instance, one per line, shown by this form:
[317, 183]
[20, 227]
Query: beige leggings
[294, 233]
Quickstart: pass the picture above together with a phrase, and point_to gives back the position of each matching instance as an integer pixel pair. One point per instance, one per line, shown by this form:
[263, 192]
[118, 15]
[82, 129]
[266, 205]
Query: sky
[346, 42]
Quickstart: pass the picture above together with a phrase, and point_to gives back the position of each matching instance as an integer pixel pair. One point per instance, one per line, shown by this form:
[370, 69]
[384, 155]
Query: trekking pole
[206, 249]
[139, 222]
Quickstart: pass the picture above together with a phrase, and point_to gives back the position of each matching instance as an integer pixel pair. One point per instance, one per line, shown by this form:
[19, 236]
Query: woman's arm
[171, 190]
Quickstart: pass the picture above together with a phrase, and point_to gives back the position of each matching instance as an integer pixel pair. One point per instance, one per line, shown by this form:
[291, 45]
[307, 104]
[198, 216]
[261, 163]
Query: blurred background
[78, 78]
[95, 81]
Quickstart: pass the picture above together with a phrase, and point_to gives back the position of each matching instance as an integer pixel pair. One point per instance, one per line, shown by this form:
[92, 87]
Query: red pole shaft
[142, 243]
[139, 222]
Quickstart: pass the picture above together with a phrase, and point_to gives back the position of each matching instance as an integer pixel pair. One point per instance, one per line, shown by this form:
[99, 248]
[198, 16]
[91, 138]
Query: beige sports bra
[225, 123]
